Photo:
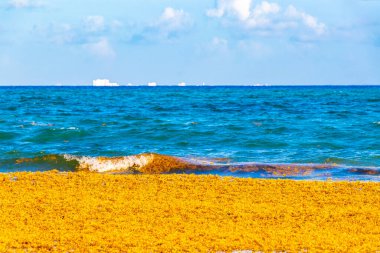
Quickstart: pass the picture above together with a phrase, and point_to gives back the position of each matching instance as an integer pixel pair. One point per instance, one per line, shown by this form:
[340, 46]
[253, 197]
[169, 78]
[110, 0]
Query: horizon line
[176, 85]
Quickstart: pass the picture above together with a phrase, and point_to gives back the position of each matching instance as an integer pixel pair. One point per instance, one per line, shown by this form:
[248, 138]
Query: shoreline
[154, 163]
[82, 211]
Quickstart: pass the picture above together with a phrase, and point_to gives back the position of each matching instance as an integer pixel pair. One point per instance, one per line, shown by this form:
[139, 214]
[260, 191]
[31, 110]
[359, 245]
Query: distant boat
[181, 84]
[260, 84]
[104, 82]
[151, 84]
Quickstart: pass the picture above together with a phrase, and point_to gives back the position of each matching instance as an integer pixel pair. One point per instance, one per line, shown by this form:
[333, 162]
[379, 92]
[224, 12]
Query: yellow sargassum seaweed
[91, 212]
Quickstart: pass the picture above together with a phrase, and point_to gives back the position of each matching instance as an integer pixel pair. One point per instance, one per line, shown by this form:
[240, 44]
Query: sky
[216, 42]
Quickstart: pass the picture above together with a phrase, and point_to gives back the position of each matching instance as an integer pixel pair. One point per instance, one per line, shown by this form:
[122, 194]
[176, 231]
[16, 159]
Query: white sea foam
[104, 164]
[69, 128]
[33, 123]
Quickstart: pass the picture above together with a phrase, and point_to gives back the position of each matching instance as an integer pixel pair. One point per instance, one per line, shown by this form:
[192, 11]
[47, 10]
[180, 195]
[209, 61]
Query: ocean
[295, 132]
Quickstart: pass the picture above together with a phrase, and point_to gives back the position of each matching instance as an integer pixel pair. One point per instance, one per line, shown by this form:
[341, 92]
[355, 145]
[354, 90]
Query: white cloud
[94, 23]
[262, 15]
[173, 20]
[93, 34]
[265, 17]
[307, 19]
[89, 29]
[101, 48]
[239, 8]
[166, 27]
[26, 3]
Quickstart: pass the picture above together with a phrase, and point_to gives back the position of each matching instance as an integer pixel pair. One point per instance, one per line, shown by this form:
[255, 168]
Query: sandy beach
[87, 212]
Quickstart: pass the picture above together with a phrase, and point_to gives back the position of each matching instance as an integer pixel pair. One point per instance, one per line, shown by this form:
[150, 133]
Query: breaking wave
[151, 163]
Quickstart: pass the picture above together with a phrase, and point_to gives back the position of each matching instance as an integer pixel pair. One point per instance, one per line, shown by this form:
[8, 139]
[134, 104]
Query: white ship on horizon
[182, 84]
[152, 84]
[104, 82]
[260, 84]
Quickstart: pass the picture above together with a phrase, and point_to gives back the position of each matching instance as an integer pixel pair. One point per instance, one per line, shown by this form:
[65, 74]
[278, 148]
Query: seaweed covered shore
[83, 211]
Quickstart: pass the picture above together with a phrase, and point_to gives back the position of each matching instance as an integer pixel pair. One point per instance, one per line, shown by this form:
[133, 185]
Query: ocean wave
[151, 163]
[107, 164]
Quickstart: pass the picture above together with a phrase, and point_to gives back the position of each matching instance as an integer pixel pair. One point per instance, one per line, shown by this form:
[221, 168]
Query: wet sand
[85, 211]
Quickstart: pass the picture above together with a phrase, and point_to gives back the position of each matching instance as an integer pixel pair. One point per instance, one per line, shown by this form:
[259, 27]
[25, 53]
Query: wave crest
[144, 163]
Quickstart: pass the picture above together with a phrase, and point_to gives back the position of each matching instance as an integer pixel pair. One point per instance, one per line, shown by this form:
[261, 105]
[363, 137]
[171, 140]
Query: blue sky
[217, 42]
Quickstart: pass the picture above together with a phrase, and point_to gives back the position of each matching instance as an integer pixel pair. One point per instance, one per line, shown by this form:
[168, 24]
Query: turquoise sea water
[238, 126]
